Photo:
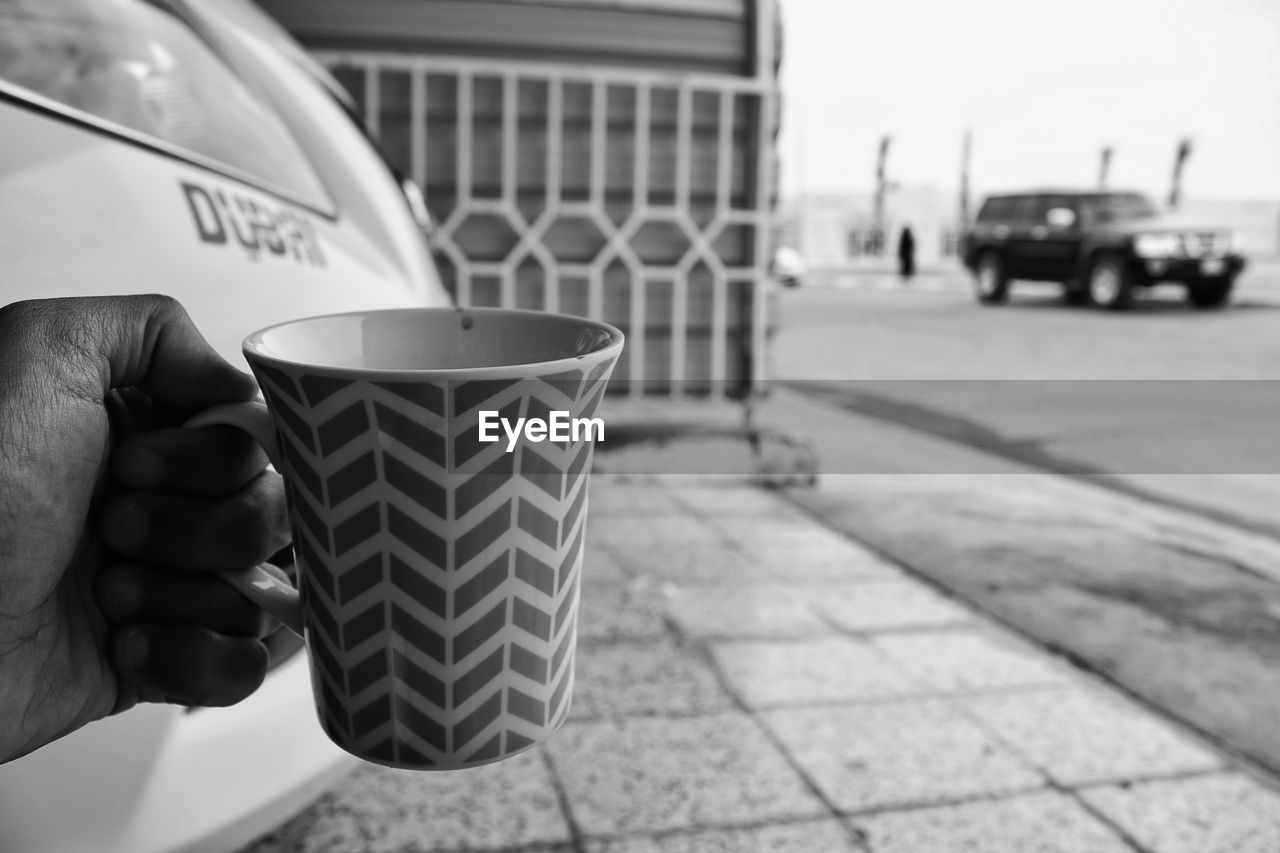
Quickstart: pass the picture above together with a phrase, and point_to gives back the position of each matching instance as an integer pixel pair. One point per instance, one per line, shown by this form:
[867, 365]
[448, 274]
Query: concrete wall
[832, 231]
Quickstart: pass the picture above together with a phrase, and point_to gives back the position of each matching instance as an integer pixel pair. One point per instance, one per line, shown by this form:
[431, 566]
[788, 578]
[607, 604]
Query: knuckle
[160, 305]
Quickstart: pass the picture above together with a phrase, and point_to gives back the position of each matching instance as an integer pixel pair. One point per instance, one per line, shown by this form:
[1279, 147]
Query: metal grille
[1206, 244]
[639, 198]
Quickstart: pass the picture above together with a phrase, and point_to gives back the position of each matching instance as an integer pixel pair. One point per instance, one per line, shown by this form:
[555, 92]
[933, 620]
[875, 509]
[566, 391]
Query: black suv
[1100, 246]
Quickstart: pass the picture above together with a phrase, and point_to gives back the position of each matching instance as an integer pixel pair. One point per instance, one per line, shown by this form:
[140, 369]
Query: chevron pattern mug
[438, 568]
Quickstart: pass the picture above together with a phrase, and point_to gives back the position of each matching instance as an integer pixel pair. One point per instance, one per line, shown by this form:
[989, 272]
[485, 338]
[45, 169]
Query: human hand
[181, 505]
[185, 505]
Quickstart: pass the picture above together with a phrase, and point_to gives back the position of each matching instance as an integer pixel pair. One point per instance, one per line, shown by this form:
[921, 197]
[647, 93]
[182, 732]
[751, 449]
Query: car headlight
[1156, 245]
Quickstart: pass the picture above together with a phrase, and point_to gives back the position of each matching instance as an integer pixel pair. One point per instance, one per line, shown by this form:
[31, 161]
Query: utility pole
[877, 212]
[965, 151]
[1104, 167]
[1184, 152]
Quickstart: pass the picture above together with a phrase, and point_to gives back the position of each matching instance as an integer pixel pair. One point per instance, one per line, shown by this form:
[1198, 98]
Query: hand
[178, 507]
[191, 502]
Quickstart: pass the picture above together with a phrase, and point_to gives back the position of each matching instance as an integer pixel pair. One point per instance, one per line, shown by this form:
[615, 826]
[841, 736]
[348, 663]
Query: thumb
[148, 342]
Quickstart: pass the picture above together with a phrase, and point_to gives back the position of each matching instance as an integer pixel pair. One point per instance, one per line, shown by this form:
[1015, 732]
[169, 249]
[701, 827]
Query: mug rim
[254, 349]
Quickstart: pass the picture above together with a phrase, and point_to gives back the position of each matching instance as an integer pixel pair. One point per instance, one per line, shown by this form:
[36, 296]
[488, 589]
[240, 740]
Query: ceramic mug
[438, 570]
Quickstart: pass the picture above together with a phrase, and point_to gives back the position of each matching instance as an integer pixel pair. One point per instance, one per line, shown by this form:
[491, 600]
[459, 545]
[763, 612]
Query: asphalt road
[926, 357]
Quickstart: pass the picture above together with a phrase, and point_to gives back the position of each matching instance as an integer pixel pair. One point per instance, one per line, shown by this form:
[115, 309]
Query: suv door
[1020, 244]
[1060, 238]
[1045, 247]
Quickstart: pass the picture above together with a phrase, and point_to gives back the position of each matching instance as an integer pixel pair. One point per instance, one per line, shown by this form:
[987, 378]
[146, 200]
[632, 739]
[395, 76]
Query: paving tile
[625, 532]
[827, 561]
[707, 562]
[378, 809]
[1082, 735]
[778, 533]
[1038, 823]
[823, 836]
[629, 501]
[1224, 813]
[736, 502]
[889, 606]
[645, 775]
[749, 610]
[628, 611]
[782, 673]
[899, 753]
[970, 660]
[636, 679]
[600, 566]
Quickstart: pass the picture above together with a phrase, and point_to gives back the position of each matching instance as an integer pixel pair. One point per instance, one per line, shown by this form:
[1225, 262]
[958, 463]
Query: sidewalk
[749, 680]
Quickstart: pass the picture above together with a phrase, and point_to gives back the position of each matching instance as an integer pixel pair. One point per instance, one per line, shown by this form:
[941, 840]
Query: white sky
[1042, 85]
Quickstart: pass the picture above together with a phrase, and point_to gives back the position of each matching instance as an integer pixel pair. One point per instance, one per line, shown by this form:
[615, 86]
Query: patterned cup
[438, 571]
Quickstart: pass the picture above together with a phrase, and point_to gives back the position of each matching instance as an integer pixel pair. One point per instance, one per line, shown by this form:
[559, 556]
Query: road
[929, 358]
[1178, 609]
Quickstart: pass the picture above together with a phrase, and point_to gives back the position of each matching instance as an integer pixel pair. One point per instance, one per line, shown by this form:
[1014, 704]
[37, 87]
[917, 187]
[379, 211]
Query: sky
[1042, 86]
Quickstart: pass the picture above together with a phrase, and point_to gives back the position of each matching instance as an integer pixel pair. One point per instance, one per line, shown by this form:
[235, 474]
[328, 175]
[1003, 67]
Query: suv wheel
[1209, 292]
[1109, 284]
[990, 284]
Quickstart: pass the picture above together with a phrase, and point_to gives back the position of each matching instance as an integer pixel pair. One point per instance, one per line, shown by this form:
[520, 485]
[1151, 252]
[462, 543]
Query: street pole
[966, 151]
[877, 212]
[1175, 192]
[1104, 167]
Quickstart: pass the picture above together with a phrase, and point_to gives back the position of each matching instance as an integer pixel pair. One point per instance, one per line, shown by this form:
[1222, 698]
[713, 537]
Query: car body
[1101, 246]
[187, 147]
[788, 266]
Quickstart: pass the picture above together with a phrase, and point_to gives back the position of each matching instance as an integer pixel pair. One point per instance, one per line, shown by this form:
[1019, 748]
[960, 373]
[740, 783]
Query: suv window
[1026, 208]
[134, 68]
[1056, 201]
[994, 210]
[1117, 207]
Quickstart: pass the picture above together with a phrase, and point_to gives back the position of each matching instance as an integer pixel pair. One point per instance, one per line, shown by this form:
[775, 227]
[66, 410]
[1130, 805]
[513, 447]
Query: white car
[788, 266]
[187, 147]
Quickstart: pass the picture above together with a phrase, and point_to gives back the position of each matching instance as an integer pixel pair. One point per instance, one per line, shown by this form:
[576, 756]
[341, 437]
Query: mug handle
[260, 586]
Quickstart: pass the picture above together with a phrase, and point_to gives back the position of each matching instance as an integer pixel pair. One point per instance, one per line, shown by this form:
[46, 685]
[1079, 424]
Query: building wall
[836, 232]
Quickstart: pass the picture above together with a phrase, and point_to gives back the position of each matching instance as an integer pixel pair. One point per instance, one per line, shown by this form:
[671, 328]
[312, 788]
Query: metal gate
[641, 198]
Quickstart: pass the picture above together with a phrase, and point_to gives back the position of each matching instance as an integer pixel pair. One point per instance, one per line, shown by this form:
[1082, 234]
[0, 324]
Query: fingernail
[134, 648]
[142, 467]
[125, 526]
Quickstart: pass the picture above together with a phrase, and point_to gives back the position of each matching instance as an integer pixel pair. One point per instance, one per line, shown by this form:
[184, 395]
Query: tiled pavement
[750, 681]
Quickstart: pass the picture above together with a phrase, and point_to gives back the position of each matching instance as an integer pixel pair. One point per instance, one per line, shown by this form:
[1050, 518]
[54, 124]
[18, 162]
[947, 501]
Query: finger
[133, 594]
[187, 665]
[130, 411]
[156, 347]
[206, 462]
[200, 534]
[121, 341]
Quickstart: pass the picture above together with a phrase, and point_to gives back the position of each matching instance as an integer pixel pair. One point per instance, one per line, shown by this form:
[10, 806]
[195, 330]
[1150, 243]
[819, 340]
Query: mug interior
[432, 339]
